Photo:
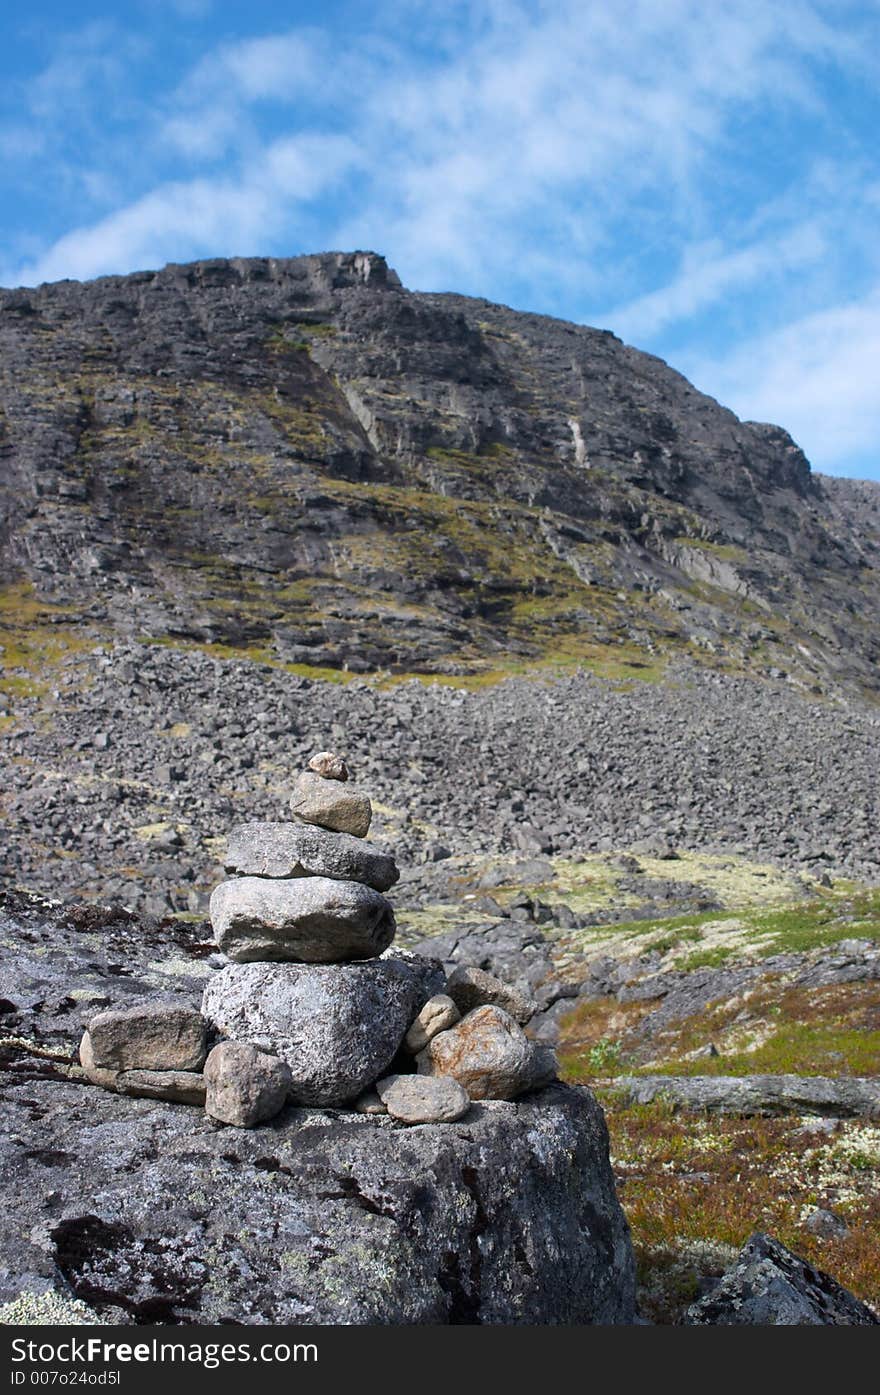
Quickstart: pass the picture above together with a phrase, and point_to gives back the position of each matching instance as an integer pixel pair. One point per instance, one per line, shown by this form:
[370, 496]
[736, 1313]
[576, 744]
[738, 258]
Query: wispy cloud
[708, 274]
[208, 216]
[817, 374]
[566, 155]
[564, 106]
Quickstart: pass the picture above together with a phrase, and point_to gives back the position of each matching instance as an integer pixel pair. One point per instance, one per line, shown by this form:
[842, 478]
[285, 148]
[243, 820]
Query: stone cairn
[313, 1007]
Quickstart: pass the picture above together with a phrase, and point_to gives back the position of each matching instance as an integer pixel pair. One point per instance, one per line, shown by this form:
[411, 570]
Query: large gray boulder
[338, 1026]
[311, 920]
[304, 850]
[149, 1212]
[769, 1286]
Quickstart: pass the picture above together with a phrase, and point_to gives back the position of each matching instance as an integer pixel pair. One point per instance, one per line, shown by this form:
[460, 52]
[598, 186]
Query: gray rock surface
[338, 1026]
[508, 1216]
[487, 1052]
[438, 1013]
[770, 1287]
[331, 804]
[423, 1099]
[271, 849]
[313, 920]
[470, 987]
[244, 1086]
[842, 1097]
[724, 761]
[151, 1036]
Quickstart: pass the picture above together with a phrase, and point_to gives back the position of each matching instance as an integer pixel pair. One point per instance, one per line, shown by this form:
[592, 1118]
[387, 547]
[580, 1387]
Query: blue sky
[700, 176]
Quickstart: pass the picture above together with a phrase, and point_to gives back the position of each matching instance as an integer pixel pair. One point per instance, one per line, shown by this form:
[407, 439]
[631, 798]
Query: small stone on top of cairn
[322, 795]
[329, 765]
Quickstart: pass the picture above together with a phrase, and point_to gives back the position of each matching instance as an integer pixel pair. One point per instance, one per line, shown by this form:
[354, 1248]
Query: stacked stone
[313, 1007]
[312, 984]
[154, 1049]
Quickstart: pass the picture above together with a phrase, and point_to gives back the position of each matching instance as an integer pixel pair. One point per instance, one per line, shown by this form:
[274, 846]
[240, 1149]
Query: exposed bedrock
[150, 1211]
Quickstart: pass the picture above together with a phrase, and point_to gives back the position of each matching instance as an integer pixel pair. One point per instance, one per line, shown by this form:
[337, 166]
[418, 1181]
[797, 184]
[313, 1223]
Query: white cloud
[544, 147]
[208, 216]
[709, 274]
[544, 122]
[817, 375]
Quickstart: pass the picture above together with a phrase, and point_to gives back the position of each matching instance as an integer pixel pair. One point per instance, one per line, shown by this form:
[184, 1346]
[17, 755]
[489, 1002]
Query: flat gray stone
[152, 1036]
[245, 1086]
[331, 804]
[175, 1086]
[338, 1026]
[840, 1097]
[311, 920]
[303, 850]
[423, 1099]
[437, 1015]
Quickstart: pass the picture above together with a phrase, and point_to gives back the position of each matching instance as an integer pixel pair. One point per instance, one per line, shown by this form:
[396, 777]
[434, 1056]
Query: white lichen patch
[179, 968]
[47, 1309]
[842, 1169]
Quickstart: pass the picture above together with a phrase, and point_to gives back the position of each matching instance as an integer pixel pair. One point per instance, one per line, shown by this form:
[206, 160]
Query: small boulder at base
[470, 987]
[437, 1015]
[487, 1052]
[331, 804]
[245, 1086]
[369, 1103]
[153, 1036]
[338, 1026]
[769, 1286]
[423, 1099]
[303, 850]
[311, 920]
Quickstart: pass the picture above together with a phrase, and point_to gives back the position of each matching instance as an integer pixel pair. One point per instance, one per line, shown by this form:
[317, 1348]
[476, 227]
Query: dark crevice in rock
[479, 1226]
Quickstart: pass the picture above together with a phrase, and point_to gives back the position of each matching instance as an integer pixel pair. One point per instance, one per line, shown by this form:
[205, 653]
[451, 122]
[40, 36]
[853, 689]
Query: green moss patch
[34, 641]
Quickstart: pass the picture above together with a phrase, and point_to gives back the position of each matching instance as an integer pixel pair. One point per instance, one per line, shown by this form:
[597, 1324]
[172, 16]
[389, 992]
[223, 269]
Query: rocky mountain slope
[301, 460]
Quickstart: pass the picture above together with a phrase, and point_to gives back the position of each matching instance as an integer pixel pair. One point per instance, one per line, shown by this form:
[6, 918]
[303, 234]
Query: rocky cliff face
[301, 459]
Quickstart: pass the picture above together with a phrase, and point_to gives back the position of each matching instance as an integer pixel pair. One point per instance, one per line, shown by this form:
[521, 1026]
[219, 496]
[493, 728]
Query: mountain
[301, 461]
